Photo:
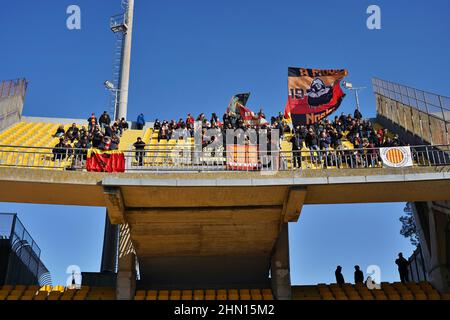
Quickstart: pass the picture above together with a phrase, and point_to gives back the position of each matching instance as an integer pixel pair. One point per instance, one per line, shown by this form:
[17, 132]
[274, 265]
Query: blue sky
[192, 57]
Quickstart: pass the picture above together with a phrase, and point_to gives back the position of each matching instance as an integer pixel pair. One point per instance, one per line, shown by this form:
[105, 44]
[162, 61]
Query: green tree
[409, 229]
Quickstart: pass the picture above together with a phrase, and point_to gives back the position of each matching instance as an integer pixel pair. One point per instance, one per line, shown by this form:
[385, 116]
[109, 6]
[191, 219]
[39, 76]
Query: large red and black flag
[314, 94]
[105, 161]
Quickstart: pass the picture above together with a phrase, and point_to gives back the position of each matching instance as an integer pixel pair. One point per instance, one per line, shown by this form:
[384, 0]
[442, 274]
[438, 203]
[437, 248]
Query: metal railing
[429, 103]
[186, 158]
[26, 253]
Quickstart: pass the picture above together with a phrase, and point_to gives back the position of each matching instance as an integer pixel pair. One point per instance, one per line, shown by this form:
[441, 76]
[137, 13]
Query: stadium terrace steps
[388, 291]
[129, 137]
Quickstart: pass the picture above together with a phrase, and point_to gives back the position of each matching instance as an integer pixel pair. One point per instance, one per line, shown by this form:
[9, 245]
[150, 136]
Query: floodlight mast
[124, 24]
[350, 86]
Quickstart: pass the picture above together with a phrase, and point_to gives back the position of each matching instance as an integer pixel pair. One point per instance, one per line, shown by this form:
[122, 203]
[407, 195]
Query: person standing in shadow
[402, 264]
[339, 277]
[359, 275]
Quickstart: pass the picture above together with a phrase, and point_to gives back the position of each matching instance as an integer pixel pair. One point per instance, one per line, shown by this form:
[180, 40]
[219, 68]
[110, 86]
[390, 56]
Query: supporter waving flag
[250, 118]
[238, 106]
[238, 100]
[314, 94]
[105, 161]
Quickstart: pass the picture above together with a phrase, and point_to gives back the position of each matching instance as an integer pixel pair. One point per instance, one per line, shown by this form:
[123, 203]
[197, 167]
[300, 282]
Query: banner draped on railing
[243, 158]
[396, 157]
[105, 161]
[313, 94]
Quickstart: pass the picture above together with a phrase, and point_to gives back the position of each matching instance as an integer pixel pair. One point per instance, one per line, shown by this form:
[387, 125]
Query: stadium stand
[208, 294]
[49, 293]
[388, 291]
[18, 139]
[161, 144]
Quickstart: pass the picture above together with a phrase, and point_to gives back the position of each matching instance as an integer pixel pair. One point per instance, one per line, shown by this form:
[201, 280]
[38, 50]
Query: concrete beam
[115, 205]
[293, 204]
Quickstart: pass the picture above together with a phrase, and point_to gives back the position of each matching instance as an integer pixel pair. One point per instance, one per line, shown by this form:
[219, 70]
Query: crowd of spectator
[229, 121]
[324, 139]
[101, 133]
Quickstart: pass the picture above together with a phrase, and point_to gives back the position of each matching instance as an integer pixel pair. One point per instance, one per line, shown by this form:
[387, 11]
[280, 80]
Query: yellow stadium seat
[152, 295]
[233, 294]
[54, 295]
[210, 294]
[199, 295]
[267, 294]
[445, 296]
[256, 294]
[163, 295]
[420, 296]
[175, 295]
[140, 293]
[221, 294]
[186, 295]
[244, 294]
[42, 295]
[433, 296]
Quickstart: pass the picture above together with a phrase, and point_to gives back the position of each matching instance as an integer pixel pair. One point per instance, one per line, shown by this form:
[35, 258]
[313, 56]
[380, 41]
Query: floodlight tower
[122, 26]
[350, 86]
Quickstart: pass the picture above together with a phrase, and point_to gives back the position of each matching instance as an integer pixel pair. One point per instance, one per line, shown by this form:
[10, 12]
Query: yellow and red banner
[105, 161]
[314, 94]
[396, 157]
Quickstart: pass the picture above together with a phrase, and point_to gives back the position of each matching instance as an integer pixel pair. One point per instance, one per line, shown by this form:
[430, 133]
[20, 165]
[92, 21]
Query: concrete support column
[280, 267]
[126, 276]
[433, 227]
[110, 246]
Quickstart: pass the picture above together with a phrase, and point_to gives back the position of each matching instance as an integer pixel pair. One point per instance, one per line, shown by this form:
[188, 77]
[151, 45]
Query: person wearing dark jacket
[357, 115]
[312, 142]
[104, 120]
[60, 132]
[92, 122]
[97, 138]
[402, 264]
[339, 277]
[73, 133]
[62, 150]
[123, 126]
[359, 275]
[297, 145]
[139, 145]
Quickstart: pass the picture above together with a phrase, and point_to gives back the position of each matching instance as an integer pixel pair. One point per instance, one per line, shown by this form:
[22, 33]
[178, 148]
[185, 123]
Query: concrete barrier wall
[10, 111]
[412, 124]
[12, 98]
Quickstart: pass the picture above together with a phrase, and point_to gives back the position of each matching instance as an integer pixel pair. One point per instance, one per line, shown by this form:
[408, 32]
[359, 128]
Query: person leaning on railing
[62, 150]
[297, 145]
